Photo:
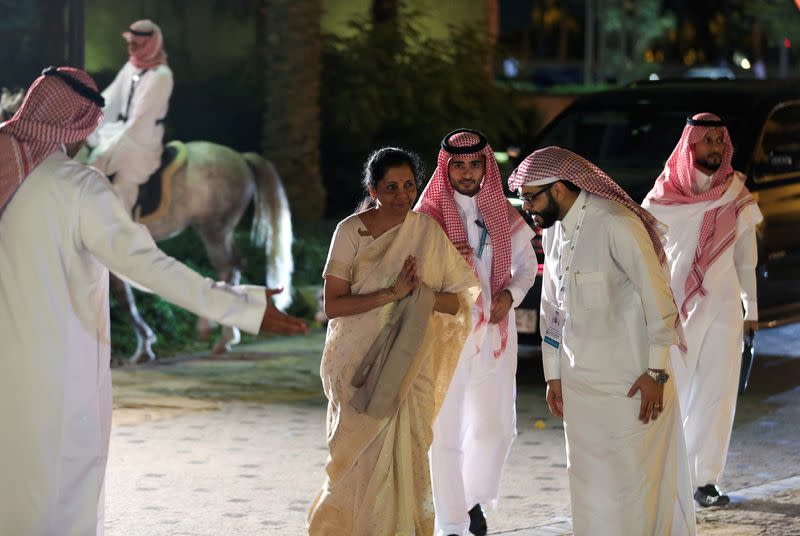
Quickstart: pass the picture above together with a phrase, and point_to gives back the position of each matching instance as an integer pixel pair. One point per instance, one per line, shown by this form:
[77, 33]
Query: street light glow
[745, 63]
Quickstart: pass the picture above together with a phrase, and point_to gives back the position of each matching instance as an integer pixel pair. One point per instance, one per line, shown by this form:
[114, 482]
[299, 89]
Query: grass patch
[176, 327]
[287, 371]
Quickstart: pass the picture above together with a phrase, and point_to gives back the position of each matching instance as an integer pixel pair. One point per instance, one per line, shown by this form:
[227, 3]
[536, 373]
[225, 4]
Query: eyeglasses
[528, 198]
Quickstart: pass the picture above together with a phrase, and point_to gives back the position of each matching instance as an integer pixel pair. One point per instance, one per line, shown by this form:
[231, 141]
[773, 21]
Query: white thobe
[625, 477]
[476, 425]
[59, 235]
[128, 143]
[708, 379]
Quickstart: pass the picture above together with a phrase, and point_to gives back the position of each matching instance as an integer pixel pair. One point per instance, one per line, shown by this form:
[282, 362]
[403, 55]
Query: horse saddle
[154, 195]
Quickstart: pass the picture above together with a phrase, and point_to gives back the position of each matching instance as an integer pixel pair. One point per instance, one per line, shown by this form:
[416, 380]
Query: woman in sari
[378, 478]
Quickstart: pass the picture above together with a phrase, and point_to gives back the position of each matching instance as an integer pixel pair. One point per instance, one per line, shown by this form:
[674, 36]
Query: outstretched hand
[276, 321]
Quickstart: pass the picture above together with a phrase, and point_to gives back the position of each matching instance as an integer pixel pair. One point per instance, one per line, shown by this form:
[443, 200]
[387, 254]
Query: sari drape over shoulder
[378, 478]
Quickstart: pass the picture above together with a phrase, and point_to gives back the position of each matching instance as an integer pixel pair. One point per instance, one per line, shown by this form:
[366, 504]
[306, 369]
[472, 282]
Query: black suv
[630, 132]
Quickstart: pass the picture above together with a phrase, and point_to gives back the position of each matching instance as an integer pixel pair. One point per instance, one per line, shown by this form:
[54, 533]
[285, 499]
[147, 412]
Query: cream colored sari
[378, 478]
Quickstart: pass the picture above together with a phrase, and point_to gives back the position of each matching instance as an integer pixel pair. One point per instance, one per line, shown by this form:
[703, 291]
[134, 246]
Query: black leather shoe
[710, 495]
[477, 521]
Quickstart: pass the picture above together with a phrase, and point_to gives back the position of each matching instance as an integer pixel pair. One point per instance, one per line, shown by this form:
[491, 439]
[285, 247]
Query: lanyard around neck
[484, 234]
[563, 278]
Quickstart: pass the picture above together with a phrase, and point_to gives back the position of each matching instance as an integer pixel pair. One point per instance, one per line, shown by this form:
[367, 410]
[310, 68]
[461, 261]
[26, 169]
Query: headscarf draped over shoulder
[500, 218]
[674, 187]
[61, 106]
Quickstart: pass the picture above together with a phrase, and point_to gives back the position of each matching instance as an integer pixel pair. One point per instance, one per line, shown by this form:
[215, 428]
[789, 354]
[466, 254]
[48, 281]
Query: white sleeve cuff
[517, 295]
[255, 299]
[659, 357]
[550, 362]
[750, 310]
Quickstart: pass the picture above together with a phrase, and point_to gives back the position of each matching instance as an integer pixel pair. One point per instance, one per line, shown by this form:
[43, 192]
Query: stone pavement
[254, 469]
[200, 467]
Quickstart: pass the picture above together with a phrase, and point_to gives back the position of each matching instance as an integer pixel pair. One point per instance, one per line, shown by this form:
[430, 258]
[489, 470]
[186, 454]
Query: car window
[631, 143]
[777, 155]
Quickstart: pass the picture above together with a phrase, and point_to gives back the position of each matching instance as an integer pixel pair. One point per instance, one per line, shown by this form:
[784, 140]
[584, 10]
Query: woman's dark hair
[379, 163]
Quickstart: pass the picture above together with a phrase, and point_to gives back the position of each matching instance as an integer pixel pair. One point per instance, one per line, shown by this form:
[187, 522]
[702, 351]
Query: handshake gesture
[276, 321]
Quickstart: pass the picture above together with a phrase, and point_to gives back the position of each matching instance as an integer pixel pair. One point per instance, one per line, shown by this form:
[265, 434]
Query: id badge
[555, 324]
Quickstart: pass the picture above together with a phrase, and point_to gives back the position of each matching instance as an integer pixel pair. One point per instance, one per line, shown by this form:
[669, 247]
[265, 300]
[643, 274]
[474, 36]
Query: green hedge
[175, 326]
[401, 87]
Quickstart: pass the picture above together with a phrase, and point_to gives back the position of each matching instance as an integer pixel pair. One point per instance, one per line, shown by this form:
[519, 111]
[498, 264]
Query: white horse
[209, 193]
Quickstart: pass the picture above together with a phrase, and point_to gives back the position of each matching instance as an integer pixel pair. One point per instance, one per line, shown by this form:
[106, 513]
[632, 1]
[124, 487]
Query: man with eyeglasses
[608, 321]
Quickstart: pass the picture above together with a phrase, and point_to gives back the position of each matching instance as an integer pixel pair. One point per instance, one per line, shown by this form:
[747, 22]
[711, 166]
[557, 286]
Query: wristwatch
[658, 375]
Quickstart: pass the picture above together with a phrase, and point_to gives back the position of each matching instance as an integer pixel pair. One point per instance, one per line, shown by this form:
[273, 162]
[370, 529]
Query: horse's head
[10, 101]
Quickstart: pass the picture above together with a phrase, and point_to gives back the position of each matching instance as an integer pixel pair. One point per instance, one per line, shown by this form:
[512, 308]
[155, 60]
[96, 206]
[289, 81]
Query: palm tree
[492, 17]
[384, 11]
[292, 46]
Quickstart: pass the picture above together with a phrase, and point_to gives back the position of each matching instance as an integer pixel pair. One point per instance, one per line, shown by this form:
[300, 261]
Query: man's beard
[549, 215]
[708, 165]
[468, 191]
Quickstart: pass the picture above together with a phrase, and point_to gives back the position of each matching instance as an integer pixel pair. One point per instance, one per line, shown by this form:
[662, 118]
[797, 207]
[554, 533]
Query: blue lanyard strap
[484, 234]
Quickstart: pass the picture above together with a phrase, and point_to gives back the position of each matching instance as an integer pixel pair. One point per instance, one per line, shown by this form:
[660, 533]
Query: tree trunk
[384, 11]
[492, 16]
[700, 14]
[291, 131]
[52, 32]
[76, 34]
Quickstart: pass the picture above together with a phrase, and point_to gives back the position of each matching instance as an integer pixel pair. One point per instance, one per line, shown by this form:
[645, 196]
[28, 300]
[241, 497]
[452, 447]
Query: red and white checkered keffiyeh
[500, 218]
[150, 53]
[51, 114]
[554, 163]
[674, 187]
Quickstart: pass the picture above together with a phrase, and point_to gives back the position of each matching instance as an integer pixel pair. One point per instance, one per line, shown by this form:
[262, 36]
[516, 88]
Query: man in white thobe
[712, 254]
[476, 425]
[608, 321]
[128, 143]
[61, 229]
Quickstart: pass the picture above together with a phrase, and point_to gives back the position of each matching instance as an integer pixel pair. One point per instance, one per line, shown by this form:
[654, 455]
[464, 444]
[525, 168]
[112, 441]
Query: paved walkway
[181, 466]
[254, 469]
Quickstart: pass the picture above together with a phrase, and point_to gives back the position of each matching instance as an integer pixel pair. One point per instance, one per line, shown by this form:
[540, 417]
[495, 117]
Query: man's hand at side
[501, 305]
[750, 328]
[652, 397]
[554, 400]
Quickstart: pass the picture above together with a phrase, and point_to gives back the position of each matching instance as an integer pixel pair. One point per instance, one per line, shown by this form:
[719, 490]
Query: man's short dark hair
[570, 186]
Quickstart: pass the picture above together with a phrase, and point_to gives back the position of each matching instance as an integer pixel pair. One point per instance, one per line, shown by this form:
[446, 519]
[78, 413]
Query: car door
[776, 185]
